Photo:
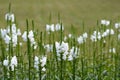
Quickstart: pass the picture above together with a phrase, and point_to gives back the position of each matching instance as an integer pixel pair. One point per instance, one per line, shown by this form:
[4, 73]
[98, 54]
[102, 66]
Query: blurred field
[71, 11]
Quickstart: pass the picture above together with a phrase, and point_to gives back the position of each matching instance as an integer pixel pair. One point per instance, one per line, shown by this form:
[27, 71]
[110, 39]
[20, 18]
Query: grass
[71, 11]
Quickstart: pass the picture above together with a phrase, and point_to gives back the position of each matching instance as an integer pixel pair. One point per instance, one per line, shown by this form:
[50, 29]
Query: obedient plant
[62, 48]
[10, 17]
[34, 55]
[105, 22]
[11, 64]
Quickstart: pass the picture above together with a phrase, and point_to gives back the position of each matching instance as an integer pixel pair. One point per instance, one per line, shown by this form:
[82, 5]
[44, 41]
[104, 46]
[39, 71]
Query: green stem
[28, 50]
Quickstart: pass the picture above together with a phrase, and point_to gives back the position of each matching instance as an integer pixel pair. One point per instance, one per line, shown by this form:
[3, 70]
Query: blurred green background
[71, 11]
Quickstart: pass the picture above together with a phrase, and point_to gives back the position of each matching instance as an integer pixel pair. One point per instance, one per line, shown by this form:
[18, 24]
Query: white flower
[70, 35]
[61, 47]
[112, 50]
[64, 56]
[104, 34]
[50, 28]
[18, 32]
[32, 40]
[10, 17]
[36, 62]
[111, 31]
[30, 35]
[3, 33]
[43, 69]
[117, 25]
[5, 62]
[47, 27]
[70, 58]
[7, 39]
[14, 39]
[96, 36]
[108, 31]
[93, 38]
[57, 27]
[36, 59]
[24, 36]
[13, 63]
[43, 61]
[73, 53]
[85, 35]
[80, 39]
[105, 22]
[53, 27]
[14, 29]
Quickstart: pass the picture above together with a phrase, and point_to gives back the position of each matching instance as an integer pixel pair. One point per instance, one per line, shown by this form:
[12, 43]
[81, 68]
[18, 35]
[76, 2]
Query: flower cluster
[105, 22]
[10, 17]
[117, 25]
[10, 34]
[95, 36]
[42, 61]
[108, 32]
[82, 39]
[98, 35]
[73, 53]
[61, 49]
[52, 27]
[12, 64]
[30, 37]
